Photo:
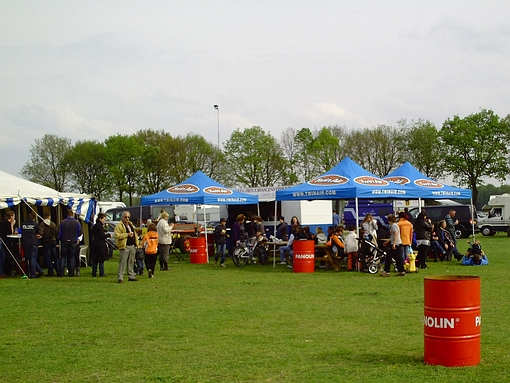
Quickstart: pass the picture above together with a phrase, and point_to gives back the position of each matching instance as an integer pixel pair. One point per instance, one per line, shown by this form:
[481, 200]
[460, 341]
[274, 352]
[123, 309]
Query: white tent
[14, 190]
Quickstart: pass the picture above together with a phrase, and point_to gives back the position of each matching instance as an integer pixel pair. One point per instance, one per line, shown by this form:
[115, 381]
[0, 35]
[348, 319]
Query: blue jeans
[31, 256]
[51, 259]
[69, 253]
[282, 250]
[101, 268]
[221, 248]
[2, 258]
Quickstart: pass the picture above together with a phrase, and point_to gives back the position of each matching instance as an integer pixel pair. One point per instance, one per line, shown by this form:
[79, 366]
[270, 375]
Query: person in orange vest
[150, 246]
[406, 234]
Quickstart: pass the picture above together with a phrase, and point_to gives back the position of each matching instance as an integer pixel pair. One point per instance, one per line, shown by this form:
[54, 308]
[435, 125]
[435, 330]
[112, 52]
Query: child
[351, 247]
[150, 246]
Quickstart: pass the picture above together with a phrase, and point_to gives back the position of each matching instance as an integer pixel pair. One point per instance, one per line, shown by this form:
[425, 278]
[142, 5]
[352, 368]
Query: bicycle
[249, 250]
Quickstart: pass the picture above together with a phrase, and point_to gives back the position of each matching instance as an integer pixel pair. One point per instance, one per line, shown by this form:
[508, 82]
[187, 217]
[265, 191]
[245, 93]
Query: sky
[92, 69]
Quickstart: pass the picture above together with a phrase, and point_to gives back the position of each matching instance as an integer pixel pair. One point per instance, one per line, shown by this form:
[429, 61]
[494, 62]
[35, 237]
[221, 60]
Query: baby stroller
[370, 257]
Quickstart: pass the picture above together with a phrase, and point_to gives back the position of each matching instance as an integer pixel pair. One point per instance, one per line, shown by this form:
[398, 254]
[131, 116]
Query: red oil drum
[452, 320]
[304, 256]
[197, 250]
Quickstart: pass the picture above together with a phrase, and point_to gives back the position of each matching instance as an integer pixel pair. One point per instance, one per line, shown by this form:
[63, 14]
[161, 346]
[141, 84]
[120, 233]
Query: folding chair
[83, 255]
[174, 249]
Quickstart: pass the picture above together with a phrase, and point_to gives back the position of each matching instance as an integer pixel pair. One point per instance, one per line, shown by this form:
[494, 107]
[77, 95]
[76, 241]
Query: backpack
[151, 246]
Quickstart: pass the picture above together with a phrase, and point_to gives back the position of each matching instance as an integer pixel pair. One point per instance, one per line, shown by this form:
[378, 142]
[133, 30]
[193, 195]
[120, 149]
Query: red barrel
[197, 250]
[304, 256]
[452, 320]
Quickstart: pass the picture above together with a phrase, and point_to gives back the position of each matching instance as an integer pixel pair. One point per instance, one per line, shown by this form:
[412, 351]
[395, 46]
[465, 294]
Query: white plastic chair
[83, 255]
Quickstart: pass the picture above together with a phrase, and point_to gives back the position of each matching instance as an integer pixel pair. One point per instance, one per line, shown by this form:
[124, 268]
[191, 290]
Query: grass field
[200, 323]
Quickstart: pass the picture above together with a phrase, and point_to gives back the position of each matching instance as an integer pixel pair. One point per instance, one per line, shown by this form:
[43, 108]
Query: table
[323, 253]
[21, 253]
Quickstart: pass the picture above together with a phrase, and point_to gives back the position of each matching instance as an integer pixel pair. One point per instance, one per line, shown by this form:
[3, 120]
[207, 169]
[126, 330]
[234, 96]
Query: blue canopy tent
[427, 188]
[345, 181]
[199, 189]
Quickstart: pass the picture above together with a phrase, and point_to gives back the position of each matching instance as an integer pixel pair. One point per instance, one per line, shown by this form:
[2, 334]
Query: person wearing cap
[220, 239]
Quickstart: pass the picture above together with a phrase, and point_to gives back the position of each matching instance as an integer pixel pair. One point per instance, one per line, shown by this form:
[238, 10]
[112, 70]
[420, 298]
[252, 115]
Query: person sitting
[337, 243]
[320, 236]
[305, 233]
[445, 240]
[288, 248]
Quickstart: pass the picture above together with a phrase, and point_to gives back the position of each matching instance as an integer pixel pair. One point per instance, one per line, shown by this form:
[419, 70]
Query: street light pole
[218, 110]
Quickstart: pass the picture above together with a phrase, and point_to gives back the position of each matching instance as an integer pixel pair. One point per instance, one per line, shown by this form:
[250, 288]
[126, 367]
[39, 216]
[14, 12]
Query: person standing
[406, 234]
[450, 227]
[164, 240]
[69, 233]
[30, 240]
[394, 250]
[127, 242]
[7, 227]
[98, 247]
[369, 226]
[150, 246]
[220, 239]
[423, 228]
[336, 219]
[48, 231]
[281, 229]
[351, 248]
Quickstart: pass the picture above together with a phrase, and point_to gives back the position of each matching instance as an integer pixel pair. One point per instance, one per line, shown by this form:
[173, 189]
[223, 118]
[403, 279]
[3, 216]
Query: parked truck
[498, 219]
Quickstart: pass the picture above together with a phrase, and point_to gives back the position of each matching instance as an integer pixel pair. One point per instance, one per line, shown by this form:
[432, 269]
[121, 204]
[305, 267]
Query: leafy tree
[476, 146]
[123, 158]
[87, 164]
[254, 158]
[327, 149]
[200, 154]
[379, 150]
[304, 163]
[423, 147]
[155, 171]
[46, 165]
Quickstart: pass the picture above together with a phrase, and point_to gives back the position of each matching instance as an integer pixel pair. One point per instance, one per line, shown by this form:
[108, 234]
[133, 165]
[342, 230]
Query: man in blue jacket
[69, 233]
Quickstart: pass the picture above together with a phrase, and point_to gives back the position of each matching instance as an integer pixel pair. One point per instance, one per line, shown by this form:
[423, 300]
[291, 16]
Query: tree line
[126, 166]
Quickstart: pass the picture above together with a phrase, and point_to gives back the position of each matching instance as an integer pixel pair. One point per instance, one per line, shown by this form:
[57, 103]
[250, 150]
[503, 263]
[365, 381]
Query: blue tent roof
[426, 188]
[344, 181]
[199, 189]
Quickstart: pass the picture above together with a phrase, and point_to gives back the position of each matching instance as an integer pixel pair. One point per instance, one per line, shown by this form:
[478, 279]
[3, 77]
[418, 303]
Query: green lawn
[200, 323]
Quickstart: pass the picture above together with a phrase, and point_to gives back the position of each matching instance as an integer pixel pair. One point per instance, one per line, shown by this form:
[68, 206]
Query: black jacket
[423, 229]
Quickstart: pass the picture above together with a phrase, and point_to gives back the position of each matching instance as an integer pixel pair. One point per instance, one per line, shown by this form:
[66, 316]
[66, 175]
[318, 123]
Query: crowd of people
[403, 236]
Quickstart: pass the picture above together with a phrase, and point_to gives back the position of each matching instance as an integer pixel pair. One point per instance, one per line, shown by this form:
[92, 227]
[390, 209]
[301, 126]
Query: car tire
[487, 231]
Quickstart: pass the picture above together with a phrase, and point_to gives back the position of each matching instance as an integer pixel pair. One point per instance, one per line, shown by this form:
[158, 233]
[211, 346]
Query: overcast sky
[92, 69]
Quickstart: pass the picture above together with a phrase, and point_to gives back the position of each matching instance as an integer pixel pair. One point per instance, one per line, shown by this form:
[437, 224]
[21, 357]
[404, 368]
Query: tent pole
[472, 220]
[274, 232]
[357, 216]
[205, 233]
